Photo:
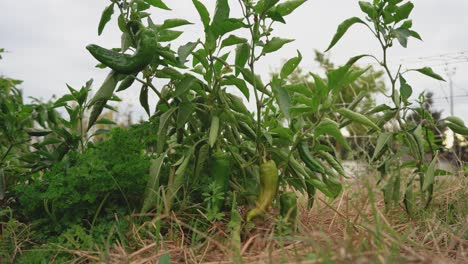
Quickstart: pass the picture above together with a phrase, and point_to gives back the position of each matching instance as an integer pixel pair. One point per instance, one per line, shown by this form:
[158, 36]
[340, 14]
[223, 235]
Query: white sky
[46, 42]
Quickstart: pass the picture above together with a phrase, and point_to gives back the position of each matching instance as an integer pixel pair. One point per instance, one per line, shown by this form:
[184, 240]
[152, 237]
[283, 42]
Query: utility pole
[450, 74]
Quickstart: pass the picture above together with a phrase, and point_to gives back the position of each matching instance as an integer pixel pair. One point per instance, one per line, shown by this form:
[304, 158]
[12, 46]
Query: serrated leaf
[342, 28]
[275, 44]
[290, 65]
[105, 17]
[429, 72]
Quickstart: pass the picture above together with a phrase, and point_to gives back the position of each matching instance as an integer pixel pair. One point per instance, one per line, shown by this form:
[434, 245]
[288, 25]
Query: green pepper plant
[418, 150]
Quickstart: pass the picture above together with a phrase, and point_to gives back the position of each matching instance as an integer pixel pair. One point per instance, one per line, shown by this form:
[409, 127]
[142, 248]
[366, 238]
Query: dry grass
[354, 228]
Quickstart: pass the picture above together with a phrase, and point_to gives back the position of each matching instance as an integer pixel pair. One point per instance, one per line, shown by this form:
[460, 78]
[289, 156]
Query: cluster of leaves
[106, 178]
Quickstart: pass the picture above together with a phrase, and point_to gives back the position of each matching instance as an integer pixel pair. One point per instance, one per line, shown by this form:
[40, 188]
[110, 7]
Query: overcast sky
[46, 42]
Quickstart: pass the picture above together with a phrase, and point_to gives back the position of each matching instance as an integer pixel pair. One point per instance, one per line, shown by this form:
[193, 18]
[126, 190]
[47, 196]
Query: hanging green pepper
[220, 172]
[268, 186]
[308, 159]
[288, 206]
[125, 63]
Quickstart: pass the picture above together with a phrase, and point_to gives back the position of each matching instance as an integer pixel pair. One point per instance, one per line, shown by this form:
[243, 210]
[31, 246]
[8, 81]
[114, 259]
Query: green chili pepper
[268, 186]
[220, 172]
[288, 206]
[307, 157]
[125, 63]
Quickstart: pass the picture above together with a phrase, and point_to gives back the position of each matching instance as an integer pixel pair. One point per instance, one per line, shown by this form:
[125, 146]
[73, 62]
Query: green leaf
[402, 12]
[144, 98]
[242, 56]
[291, 65]
[162, 129]
[239, 83]
[203, 12]
[408, 199]
[300, 88]
[287, 7]
[368, 8]
[158, 3]
[330, 127]
[165, 258]
[402, 35]
[299, 109]
[357, 117]
[168, 35]
[221, 12]
[405, 90]
[152, 185]
[429, 177]
[266, 5]
[342, 28]
[228, 25]
[429, 72]
[232, 40]
[320, 86]
[184, 85]
[282, 96]
[175, 22]
[105, 121]
[415, 34]
[275, 44]
[185, 111]
[382, 141]
[255, 81]
[185, 50]
[105, 17]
